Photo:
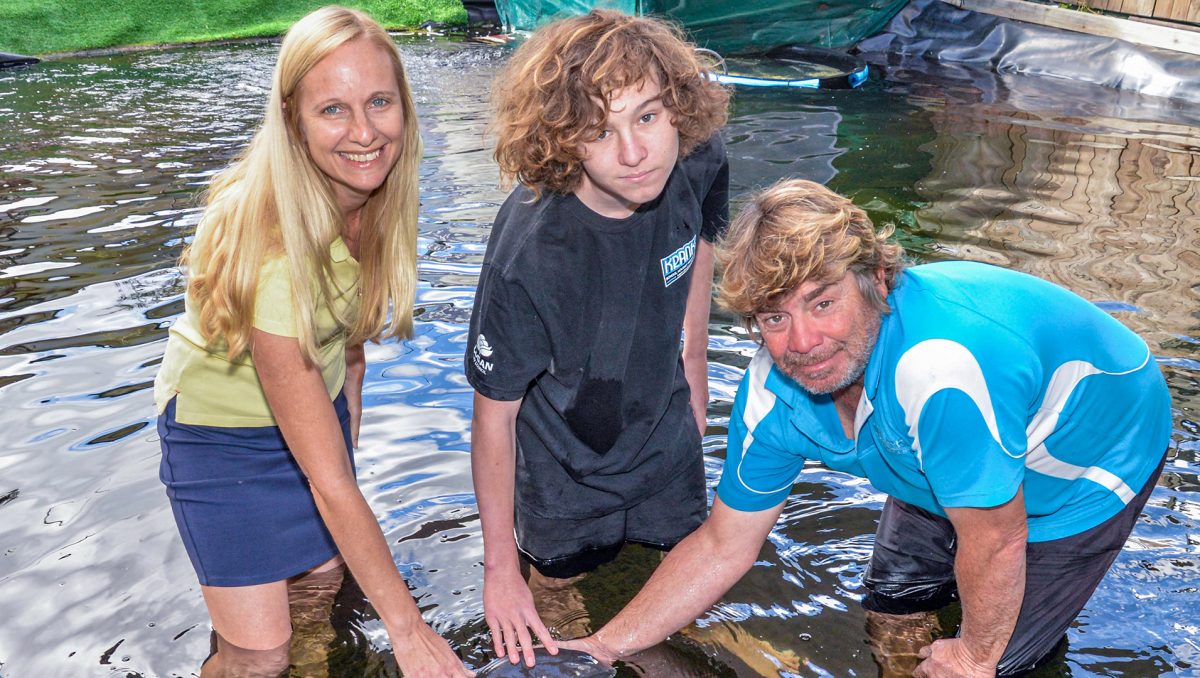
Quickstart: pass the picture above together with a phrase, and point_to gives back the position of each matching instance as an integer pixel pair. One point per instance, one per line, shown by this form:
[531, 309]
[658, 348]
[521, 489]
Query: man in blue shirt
[1017, 429]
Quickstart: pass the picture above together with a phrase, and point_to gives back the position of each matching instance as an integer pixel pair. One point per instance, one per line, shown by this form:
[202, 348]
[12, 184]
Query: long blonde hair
[274, 200]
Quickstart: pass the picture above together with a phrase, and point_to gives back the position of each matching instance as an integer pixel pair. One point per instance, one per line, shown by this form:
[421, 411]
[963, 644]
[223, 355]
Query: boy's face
[629, 162]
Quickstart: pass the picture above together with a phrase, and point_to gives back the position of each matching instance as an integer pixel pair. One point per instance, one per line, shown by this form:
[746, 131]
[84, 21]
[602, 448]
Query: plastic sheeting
[731, 27]
[936, 30]
[746, 27]
[526, 15]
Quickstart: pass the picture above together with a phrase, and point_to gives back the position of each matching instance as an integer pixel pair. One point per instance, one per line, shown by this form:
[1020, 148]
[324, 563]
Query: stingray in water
[566, 664]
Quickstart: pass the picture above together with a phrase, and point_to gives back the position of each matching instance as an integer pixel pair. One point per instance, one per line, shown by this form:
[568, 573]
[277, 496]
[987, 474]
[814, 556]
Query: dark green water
[100, 164]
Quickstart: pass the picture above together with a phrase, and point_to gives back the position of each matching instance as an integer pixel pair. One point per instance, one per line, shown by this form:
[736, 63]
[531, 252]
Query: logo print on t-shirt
[677, 263]
[481, 354]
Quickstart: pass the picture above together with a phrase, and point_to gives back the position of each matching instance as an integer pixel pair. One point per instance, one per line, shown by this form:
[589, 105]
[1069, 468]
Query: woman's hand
[421, 653]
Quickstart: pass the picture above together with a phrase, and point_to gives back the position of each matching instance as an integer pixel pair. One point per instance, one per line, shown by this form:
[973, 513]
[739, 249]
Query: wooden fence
[1168, 10]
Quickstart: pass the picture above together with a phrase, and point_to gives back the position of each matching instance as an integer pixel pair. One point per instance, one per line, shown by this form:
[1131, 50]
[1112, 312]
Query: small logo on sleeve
[482, 355]
[677, 263]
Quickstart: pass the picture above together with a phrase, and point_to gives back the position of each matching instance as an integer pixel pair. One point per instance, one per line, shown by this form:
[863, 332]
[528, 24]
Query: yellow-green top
[212, 391]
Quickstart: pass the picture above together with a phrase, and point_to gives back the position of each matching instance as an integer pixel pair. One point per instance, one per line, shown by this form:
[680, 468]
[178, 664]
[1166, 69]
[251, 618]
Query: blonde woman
[305, 244]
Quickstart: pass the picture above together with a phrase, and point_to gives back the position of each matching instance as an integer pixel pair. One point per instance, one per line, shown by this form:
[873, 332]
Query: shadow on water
[101, 162]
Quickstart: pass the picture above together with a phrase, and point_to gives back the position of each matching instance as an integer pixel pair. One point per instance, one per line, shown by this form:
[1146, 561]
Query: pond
[101, 163]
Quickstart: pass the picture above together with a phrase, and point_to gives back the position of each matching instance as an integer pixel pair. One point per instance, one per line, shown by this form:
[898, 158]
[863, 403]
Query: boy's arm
[695, 332]
[507, 603]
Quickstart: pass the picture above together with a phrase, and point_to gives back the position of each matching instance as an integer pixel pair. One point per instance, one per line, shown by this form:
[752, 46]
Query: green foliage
[1079, 8]
[47, 26]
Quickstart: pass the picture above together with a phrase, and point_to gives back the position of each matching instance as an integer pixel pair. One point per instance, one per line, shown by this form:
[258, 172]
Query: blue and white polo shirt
[983, 380]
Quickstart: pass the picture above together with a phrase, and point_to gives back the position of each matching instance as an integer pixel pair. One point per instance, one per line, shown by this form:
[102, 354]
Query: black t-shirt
[581, 315]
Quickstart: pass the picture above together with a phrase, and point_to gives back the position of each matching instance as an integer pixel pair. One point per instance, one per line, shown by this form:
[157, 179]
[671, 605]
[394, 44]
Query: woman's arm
[300, 403]
[356, 369]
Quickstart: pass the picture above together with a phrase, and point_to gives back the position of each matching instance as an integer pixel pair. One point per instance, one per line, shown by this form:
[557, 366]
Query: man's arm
[695, 332]
[990, 569]
[507, 603]
[691, 578]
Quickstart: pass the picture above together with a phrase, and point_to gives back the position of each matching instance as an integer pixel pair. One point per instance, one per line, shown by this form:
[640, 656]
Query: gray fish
[566, 664]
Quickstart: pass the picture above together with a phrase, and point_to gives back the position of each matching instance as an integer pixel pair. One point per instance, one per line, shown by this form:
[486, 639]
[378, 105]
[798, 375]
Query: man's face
[629, 162]
[822, 334]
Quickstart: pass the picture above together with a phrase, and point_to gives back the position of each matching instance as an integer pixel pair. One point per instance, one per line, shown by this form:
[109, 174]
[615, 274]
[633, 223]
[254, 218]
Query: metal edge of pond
[851, 69]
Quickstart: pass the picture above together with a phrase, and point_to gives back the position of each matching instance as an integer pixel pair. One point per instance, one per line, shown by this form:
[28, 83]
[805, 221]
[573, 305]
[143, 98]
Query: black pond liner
[937, 31]
[795, 66]
[13, 60]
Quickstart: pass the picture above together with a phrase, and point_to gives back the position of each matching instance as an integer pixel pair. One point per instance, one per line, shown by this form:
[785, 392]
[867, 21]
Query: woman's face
[351, 120]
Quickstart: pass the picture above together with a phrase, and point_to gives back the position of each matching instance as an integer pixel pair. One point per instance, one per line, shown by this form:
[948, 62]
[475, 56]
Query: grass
[40, 27]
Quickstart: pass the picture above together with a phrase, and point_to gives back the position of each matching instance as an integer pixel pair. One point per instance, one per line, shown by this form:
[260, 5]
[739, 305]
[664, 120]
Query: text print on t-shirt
[483, 351]
[675, 264]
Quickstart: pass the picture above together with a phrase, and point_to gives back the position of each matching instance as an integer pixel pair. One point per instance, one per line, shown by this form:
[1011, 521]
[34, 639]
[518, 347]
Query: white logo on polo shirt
[481, 354]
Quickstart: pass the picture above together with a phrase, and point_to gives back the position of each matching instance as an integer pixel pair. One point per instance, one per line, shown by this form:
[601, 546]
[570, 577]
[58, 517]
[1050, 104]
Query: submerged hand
[949, 658]
[510, 614]
[421, 653]
[592, 646]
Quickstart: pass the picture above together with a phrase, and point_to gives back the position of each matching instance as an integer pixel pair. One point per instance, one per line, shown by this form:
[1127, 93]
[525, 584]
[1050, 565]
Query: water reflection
[101, 161]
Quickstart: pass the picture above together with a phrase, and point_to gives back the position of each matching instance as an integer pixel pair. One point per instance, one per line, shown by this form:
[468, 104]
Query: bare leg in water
[896, 638]
[310, 597]
[253, 627]
[560, 605]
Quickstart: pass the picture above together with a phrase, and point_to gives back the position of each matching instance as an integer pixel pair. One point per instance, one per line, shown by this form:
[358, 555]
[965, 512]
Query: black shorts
[564, 547]
[912, 570]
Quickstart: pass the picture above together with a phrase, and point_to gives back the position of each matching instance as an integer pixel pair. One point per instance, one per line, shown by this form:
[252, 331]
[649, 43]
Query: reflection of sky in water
[100, 164]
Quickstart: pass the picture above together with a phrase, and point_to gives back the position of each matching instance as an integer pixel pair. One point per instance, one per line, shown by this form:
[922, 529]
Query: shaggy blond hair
[274, 200]
[796, 231]
[553, 95]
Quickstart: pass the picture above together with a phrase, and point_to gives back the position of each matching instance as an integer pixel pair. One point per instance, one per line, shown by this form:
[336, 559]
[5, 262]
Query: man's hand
[592, 646]
[422, 653]
[510, 614]
[949, 658]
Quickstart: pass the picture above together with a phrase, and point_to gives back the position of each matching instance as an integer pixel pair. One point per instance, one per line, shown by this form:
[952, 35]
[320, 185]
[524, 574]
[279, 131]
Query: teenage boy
[587, 416]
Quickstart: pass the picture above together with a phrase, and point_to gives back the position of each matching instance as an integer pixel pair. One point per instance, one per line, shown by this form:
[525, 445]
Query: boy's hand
[510, 614]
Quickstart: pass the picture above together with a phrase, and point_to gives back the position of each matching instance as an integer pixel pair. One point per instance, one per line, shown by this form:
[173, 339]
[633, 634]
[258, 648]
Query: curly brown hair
[795, 231]
[553, 95]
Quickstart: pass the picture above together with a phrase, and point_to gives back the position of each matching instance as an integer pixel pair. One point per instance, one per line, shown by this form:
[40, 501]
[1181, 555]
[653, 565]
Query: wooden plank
[1094, 24]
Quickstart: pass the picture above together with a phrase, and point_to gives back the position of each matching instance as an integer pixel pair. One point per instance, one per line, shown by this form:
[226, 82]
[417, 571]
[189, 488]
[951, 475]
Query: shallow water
[101, 161]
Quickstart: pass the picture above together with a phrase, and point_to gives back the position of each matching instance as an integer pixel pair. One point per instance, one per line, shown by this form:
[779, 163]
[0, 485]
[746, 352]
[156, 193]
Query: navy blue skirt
[242, 504]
